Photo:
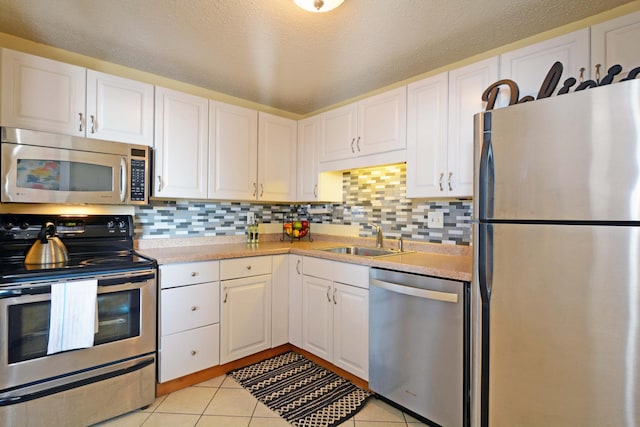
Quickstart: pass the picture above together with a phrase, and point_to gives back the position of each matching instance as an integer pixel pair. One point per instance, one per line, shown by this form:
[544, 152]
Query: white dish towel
[73, 315]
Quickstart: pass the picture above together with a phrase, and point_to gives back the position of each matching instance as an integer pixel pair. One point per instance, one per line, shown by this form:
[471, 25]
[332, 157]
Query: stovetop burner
[97, 244]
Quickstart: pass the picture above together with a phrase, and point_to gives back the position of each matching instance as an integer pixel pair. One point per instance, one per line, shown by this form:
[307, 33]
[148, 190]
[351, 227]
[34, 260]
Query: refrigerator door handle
[486, 172]
[485, 261]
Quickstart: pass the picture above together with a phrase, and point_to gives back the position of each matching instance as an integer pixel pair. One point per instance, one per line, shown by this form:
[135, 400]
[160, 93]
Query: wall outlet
[435, 219]
[251, 217]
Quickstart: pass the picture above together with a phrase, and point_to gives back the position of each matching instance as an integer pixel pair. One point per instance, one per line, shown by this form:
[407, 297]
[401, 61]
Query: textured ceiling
[273, 53]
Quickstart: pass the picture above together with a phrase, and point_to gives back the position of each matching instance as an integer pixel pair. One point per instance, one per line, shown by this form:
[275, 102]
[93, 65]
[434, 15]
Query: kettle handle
[48, 230]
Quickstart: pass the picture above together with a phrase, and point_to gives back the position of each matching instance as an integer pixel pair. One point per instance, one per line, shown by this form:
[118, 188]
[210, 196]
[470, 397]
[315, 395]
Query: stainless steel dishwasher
[419, 344]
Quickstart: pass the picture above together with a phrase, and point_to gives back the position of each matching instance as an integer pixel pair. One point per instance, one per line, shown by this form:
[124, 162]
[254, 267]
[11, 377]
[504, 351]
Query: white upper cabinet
[312, 185]
[119, 109]
[277, 142]
[233, 152]
[181, 140]
[51, 96]
[529, 65]
[427, 112]
[374, 125]
[42, 94]
[616, 42]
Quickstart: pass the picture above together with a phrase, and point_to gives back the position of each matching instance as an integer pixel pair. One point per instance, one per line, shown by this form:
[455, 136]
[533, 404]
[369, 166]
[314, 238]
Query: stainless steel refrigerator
[557, 261]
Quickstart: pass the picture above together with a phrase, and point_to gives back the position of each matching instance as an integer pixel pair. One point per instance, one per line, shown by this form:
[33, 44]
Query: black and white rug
[301, 392]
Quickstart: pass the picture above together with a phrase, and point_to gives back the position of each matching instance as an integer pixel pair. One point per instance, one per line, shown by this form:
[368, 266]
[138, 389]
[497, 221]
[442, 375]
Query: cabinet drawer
[172, 275]
[190, 351]
[189, 307]
[244, 267]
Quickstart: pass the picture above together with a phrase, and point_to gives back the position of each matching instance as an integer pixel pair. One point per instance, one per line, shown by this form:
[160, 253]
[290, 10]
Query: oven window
[118, 319]
[59, 175]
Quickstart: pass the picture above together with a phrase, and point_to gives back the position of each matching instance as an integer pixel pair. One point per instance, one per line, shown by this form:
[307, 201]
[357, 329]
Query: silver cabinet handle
[193, 352]
[358, 144]
[93, 124]
[440, 181]
[248, 267]
[261, 190]
[160, 183]
[353, 140]
[581, 78]
[194, 273]
[194, 308]
[334, 296]
[298, 267]
[315, 190]
[328, 292]
[449, 181]
[416, 292]
[598, 73]
[226, 295]
[255, 189]
[81, 122]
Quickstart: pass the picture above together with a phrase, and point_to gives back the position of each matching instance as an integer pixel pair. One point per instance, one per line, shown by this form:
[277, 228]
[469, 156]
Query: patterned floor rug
[303, 393]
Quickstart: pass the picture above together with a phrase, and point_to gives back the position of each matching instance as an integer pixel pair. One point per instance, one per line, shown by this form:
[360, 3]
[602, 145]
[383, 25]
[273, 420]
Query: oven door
[127, 329]
[55, 175]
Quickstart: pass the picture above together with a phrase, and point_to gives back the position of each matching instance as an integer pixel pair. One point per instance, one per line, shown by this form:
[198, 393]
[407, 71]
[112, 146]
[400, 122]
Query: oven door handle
[11, 293]
[126, 279]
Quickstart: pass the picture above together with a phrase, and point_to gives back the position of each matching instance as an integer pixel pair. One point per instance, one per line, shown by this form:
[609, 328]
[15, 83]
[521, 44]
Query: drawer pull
[298, 267]
[194, 273]
[226, 295]
[194, 308]
[334, 296]
[328, 292]
[193, 352]
[248, 267]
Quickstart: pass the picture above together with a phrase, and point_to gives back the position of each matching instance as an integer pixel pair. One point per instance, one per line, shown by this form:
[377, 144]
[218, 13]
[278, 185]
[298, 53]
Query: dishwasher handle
[416, 292]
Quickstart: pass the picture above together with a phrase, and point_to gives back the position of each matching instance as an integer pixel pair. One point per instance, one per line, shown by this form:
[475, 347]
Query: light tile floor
[222, 402]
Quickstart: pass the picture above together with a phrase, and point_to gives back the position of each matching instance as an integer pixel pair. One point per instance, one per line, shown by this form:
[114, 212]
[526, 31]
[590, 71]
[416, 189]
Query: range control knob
[111, 224]
[8, 224]
[122, 224]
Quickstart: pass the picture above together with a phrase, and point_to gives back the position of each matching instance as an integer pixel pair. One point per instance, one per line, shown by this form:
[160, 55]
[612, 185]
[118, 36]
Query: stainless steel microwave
[40, 167]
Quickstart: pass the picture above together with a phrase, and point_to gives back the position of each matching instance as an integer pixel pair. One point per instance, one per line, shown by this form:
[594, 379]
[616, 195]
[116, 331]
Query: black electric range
[97, 244]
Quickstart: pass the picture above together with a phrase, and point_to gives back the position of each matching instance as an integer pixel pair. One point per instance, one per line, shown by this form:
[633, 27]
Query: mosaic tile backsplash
[375, 196]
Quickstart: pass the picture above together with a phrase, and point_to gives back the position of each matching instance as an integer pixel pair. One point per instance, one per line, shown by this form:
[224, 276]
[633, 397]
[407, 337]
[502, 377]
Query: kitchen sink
[362, 251]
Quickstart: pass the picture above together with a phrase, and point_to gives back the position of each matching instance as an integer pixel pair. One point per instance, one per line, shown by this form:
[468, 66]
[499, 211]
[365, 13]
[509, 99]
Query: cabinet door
[42, 94]
[280, 300]
[616, 42]
[351, 329]
[233, 152]
[427, 112]
[338, 133]
[245, 317]
[277, 149]
[308, 139]
[317, 317]
[180, 145]
[466, 86]
[119, 109]
[295, 300]
[529, 66]
[382, 122]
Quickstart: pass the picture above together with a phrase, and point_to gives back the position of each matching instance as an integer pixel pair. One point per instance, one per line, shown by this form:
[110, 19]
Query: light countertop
[446, 261]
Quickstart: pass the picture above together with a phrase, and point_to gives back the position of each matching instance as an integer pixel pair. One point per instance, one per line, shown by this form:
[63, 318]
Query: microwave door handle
[123, 179]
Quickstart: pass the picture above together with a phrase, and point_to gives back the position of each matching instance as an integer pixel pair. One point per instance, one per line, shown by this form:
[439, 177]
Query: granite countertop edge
[438, 260]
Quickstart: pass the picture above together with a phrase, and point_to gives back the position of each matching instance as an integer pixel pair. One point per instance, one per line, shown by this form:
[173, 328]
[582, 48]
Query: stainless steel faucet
[378, 235]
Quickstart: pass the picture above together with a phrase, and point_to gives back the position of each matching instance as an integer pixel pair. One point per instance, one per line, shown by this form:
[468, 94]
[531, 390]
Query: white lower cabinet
[335, 313]
[189, 329]
[245, 307]
[295, 300]
[279, 300]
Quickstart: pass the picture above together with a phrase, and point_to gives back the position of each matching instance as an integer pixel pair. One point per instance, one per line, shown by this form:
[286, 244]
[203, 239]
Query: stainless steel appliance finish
[419, 344]
[87, 385]
[40, 167]
[556, 261]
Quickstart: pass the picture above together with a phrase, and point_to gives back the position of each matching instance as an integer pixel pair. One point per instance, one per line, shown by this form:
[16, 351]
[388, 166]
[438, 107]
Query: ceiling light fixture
[318, 5]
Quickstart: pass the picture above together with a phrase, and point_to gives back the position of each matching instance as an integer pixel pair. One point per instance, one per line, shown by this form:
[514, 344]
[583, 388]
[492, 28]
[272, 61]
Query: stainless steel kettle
[48, 249]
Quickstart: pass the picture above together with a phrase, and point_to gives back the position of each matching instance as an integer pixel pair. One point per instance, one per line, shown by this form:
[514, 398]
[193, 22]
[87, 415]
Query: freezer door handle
[485, 260]
[416, 292]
